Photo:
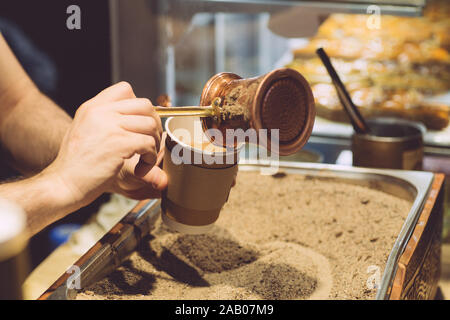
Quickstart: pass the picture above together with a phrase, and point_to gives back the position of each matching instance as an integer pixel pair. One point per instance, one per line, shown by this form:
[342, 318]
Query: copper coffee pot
[281, 99]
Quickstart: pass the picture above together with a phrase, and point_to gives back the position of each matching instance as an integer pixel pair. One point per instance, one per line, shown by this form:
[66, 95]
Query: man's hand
[139, 180]
[102, 146]
[98, 152]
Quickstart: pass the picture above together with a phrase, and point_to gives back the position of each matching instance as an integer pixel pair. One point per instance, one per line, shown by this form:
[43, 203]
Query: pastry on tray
[389, 70]
[339, 26]
[376, 101]
[386, 74]
[403, 39]
[428, 51]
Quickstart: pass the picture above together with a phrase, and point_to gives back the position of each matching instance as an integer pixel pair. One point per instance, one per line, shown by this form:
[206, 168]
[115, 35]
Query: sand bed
[285, 237]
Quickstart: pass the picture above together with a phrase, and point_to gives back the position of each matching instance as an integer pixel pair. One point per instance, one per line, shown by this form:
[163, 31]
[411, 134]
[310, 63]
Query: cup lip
[193, 149]
[391, 121]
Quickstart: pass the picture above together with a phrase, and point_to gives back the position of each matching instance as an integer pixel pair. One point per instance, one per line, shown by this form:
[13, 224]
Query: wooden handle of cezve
[358, 122]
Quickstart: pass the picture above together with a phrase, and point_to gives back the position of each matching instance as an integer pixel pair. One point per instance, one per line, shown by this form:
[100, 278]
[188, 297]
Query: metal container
[409, 271]
[392, 144]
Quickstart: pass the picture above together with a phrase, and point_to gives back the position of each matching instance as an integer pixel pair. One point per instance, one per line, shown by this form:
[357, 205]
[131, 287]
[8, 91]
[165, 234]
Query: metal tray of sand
[311, 231]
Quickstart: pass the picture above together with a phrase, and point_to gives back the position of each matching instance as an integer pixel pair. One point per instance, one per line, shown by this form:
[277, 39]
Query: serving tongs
[191, 111]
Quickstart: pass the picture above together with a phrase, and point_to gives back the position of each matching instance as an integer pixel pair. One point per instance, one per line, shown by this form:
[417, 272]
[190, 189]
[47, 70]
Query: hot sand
[284, 237]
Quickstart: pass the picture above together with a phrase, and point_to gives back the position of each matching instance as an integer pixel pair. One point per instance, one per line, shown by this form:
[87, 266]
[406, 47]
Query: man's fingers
[153, 175]
[116, 92]
[135, 106]
[141, 144]
[161, 151]
[234, 181]
[146, 163]
[143, 125]
[143, 193]
[149, 158]
[142, 168]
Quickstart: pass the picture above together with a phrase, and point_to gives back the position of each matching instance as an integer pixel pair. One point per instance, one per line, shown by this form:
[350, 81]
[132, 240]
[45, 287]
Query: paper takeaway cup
[200, 176]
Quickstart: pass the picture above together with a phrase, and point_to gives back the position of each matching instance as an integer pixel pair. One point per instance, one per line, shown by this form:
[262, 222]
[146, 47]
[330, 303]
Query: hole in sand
[214, 254]
[213, 266]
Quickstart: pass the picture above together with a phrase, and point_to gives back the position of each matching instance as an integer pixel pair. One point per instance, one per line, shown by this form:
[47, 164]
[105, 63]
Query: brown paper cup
[200, 177]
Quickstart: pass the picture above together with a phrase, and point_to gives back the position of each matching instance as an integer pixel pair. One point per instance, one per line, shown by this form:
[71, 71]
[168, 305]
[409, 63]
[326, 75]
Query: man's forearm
[32, 132]
[43, 197]
[31, 125]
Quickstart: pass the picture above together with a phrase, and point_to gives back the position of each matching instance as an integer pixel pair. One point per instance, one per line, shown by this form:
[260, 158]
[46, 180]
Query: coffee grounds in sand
[291, 237]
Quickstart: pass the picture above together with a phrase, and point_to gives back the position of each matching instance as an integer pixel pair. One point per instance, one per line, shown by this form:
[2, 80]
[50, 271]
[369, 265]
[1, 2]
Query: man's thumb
[156, 177]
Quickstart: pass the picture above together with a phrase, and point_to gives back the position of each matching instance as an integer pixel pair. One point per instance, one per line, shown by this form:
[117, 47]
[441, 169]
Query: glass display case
[392, 54]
